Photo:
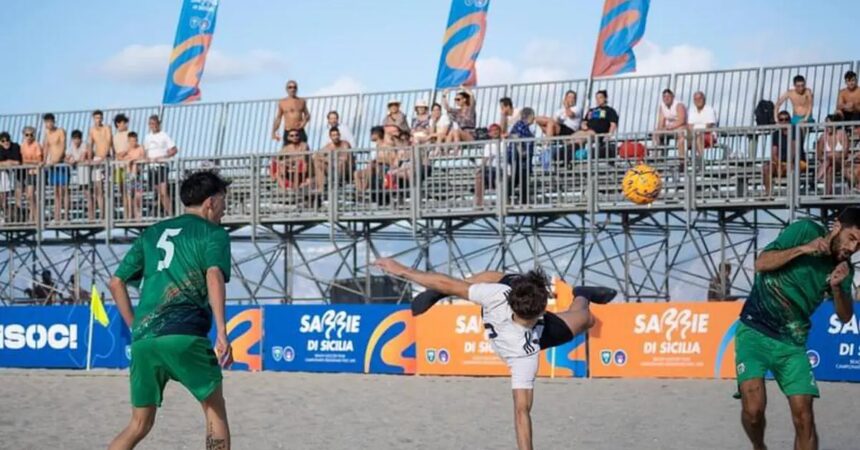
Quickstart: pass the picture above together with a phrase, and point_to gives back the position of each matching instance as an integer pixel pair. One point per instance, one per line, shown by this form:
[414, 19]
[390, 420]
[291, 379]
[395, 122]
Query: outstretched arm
[435, 281]
[523, 400]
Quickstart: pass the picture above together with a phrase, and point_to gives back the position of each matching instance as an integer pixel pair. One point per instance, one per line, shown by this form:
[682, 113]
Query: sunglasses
[4, 141]
[292, 135]
[784, 119]
[292, 87]
[29, 134]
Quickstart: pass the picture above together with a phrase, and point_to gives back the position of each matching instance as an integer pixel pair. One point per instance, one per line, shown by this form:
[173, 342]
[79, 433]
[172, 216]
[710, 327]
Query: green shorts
[756, 353]
[189, 360]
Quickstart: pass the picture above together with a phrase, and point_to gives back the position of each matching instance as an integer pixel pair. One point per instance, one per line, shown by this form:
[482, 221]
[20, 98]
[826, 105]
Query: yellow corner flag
[97, 308]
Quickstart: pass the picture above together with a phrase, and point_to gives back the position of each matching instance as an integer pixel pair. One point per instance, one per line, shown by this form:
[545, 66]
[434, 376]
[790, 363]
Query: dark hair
[506, 101]
[526, 113]
[333, 112]
[435, 105]
[832, 118]
[571, 91]
[850, 75]
[529, 293]
[201, 185]
[850, 217]
[377, 130]
[784, 113]
[5, 136]
[799, 79]
[668, 91]
[155, 118]
[98, 112]
[49, 116]
[46, 274]
[120, 118]
[132, 134]
[333, 129]
[603, 91]
[77, 134]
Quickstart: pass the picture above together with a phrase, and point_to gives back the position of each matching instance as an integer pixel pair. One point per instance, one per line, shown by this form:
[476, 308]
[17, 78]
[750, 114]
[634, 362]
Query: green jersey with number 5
[171, 259]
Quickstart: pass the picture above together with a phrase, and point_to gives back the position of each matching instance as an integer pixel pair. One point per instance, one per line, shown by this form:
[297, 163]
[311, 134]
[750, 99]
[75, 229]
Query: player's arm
[840, 285]
[523, 400]
[119, 292]
[130, 269]
[789, 245]
[217, 260]
[435, 281]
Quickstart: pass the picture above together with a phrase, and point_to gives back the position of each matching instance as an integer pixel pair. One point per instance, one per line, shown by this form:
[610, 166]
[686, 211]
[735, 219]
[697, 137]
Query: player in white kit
[516, 321]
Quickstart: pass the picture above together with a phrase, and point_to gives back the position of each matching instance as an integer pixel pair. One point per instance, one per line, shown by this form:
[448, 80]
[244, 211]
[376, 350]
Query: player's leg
[578, 317]
[794, 374]
[752, 358]
[147, 379]
[138, 427]
[217, 428]
[805, 436]
[523, 374]
[753, 404]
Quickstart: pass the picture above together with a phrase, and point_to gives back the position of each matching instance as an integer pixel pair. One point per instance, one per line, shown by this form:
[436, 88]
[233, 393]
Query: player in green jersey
[183, 263]
[794, 274]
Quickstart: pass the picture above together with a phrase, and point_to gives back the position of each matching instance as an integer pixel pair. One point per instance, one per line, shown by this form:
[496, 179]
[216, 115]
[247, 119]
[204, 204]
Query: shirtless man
[321, 159]
[120, 148]
[31, 155]
[133, 157]
[99, 143]
[848, 103]
[292, 169]
[382, 159]
[293, 111]
[801, 102]
[58, 177]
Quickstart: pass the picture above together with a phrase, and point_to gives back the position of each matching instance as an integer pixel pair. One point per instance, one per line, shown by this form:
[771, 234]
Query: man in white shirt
[509, 115]
[516, 321]
[671, 123]
[702, 117]
[566, 121]
[159, 149]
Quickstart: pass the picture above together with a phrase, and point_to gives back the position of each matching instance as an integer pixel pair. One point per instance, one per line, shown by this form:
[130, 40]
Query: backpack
[764, 113]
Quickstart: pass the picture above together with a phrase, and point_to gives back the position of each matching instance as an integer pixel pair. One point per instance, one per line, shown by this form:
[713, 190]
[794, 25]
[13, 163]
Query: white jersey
[517, 345]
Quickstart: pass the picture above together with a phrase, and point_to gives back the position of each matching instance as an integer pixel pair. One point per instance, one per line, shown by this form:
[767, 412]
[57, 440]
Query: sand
[41, 409]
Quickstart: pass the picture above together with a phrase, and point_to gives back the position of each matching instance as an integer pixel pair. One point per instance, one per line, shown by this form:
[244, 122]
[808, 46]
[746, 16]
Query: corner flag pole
[90, 338]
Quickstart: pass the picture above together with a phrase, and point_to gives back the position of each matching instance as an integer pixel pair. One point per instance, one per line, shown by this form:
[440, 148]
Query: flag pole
[90, 338]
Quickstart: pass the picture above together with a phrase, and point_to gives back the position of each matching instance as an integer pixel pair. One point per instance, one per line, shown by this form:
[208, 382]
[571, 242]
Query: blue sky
[64, 55]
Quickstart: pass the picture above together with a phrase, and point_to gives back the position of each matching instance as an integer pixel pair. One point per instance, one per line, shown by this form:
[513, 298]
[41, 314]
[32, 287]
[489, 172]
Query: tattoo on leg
[215, 444]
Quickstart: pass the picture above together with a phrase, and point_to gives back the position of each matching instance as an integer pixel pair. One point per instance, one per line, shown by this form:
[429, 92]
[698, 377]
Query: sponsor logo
[620, 357]
[837, 327]
[430, 355]
[672, 321]
[330, 322]
[741, 368]
[444, 356]
[128, 352]
[814, 358]
[289, 354]
[37, 336]
[277, 353]
[606, 357]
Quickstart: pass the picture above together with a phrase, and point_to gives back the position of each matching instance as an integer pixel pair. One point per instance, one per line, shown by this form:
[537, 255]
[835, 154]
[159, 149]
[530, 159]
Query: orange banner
[672, 340]
[450, 340]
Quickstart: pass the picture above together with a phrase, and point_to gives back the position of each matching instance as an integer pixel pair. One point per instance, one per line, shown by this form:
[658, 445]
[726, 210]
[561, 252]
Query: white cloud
[539, 74]
[342, 85]
[495, 70]
[653, 59]
[148, 64]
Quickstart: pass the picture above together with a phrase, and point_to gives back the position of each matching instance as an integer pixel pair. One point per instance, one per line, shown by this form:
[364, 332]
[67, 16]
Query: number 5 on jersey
[167, 246]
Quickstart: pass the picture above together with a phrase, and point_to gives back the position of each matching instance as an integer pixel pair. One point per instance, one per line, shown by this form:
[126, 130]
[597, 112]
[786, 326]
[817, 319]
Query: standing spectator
[293, 162]
[508, 115]
[520, 154]
[567, 120]
[345, 133]
[10, 178]
[79, 156]
[463, 116]
[801, 102]
[159, 149]
[848, 102]
[782, 146]
[293, 111]
[58, 173]
[485, 177]
[720, 287]
[133, 158]
[602, 119]
[120, 148]
[831, 152]
[99, 143]
[338, 149]
[671, 123]
[440, 123]
[702, 117]
[32, 155]
[421, 132]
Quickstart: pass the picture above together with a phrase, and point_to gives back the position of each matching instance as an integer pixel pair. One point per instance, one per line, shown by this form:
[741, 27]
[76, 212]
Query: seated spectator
[508, 115]
[11, 180]
[440, 124]
[831, 152]
[421, 132]
[31, 155]
[801, 99]
[782, 147]
[44, 290]
[293, 165]
[159, 150]
[720, 287]
[671, 123]
[848, 102]
[702, 117]
[79, 295]
[381, 160]
[567, 120]
[79, 157]
[395, 121]
[602, 119]
[133, 158]
[485, 176]
[519, 155]
[463, 116]
[337, 148]
[345, 133]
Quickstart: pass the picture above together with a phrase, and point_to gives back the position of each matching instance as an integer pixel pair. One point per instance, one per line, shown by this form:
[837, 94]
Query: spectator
[77, 294]
[401, 174]
[99, 143]
[720, 287]
[338, 149]
[421, 123]
[702, 117]
[671, 123]
[395, 121]
[79, 157]
[440, 124]
[381, 160]
[159, 149]
[344, 131]
[509, 115]
[293, 111]
[293, 165]
[120, 148]
[831, 152]
[32, 155]
[602, 119]
[782, 146]
[463, 116]
[801, 102]
[520, 154]
[44, 290]
[848, 102]
[57, 173]
[11, 179]
[133, 158]
[567, 120]
[485, 177]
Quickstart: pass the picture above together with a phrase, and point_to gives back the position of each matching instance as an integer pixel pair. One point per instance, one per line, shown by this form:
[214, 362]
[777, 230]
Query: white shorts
[523, 371]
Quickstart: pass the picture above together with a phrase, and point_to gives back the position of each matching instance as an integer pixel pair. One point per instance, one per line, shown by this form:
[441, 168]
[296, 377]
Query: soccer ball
[642, 184]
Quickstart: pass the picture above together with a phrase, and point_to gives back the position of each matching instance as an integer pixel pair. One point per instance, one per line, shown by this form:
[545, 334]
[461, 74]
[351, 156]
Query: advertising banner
[451, 340]
[672, 340]
[339, 338]
[245, 333]
[834, 347]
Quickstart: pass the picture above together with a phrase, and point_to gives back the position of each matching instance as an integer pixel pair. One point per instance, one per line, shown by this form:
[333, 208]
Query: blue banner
[621, 28]
[339, 338]
[834, 347]
[461, 45]
[193, 38]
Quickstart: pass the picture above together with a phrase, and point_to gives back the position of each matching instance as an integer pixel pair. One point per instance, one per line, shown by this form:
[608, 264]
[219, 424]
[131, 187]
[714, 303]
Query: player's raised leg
[138, 427]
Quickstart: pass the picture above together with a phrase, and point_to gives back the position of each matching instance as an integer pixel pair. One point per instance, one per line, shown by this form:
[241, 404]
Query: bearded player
[794, 273]
[184, 264]
[514, 314]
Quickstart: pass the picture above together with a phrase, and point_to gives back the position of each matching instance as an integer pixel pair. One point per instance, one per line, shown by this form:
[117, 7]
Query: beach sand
[42, 409]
